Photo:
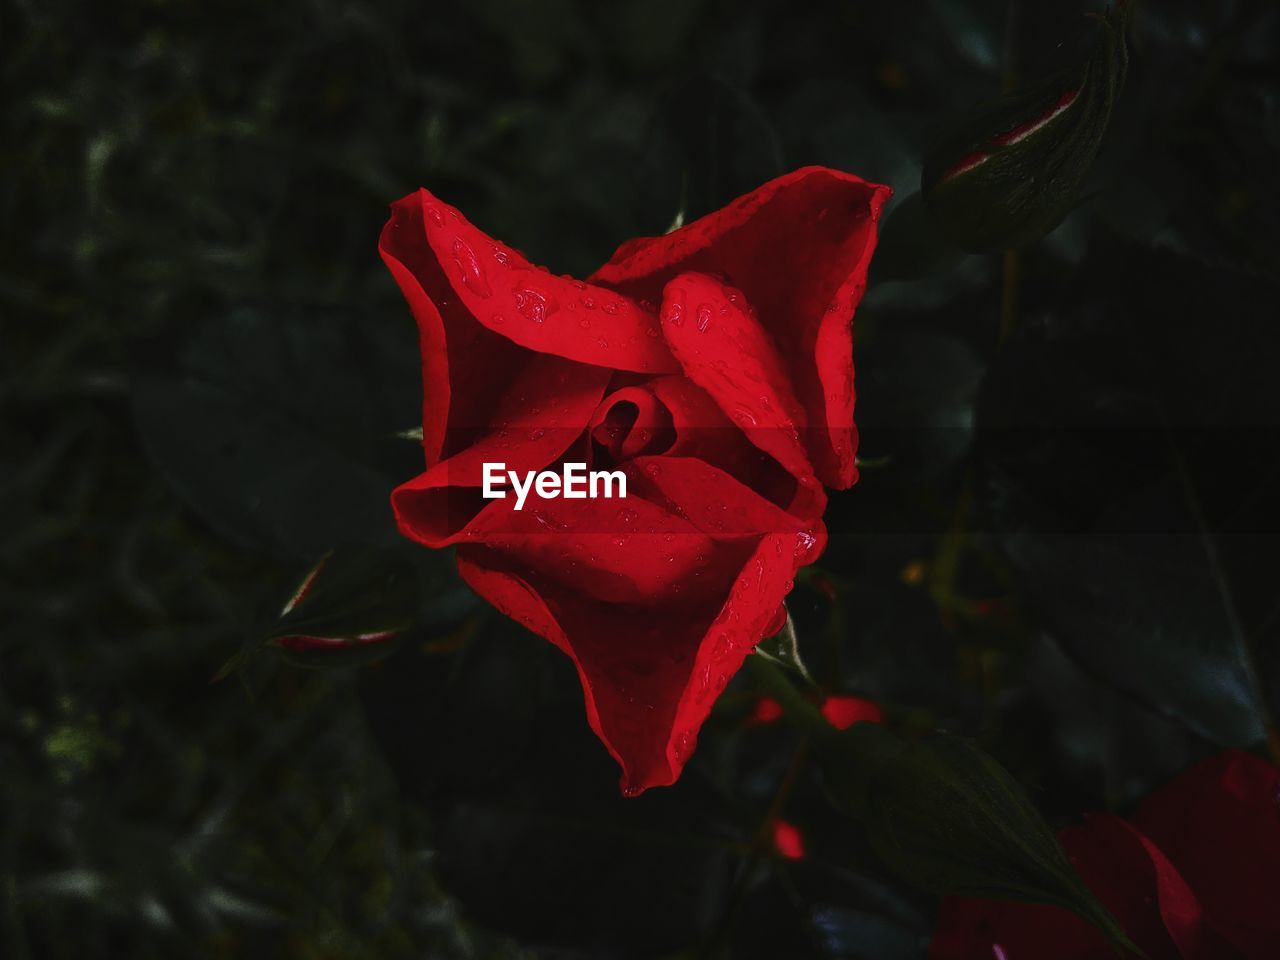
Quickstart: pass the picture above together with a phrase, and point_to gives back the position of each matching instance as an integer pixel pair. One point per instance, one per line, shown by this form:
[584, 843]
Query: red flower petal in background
[1128, 874]
[1196, 876]
[766, 711]
[1220, 823]
[843, 712]
[840, 711]
[788, 840]
[798, 248]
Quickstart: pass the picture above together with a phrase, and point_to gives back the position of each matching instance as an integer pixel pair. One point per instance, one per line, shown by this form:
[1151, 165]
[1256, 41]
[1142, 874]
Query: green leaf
[949, 819]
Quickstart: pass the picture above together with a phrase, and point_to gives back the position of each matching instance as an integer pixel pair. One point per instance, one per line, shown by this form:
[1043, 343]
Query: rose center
[630, 423]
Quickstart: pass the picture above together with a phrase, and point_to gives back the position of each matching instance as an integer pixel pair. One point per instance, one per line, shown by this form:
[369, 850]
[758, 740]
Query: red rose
[1195, 875]
[712, 367]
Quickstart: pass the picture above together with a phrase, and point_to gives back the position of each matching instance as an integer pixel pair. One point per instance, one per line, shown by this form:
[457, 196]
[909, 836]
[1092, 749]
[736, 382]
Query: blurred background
[1063, 543]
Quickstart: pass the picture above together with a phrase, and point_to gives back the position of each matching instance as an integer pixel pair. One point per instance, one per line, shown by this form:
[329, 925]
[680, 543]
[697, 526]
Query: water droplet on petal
[434, 216]
[806, 544]
[473, 277]
[704, 318]
[534, 305]
[673, 313]
[611, 308]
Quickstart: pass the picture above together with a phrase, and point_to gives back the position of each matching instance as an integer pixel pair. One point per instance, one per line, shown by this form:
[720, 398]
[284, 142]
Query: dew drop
[473, 277]
[434, 215]
[704, 318]
[806, 544]
[611, 308]
[673, 313]
[534, 305]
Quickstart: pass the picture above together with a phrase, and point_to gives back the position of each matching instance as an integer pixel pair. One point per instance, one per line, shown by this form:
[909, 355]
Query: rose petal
[1219, 822]
[1136, 881]
[798, 247]
[623, 552]
[715, 502]
[631, 421]
[460, 357]
[649, 674]
[543, 411]
[724, 350]
[507, 294]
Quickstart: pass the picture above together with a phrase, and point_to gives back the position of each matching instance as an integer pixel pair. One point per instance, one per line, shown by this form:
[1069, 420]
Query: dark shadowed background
[1063, 543]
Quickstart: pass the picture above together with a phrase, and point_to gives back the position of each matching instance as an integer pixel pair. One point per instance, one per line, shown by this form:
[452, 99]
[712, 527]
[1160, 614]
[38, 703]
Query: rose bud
[712, 368]
[1009, 173]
